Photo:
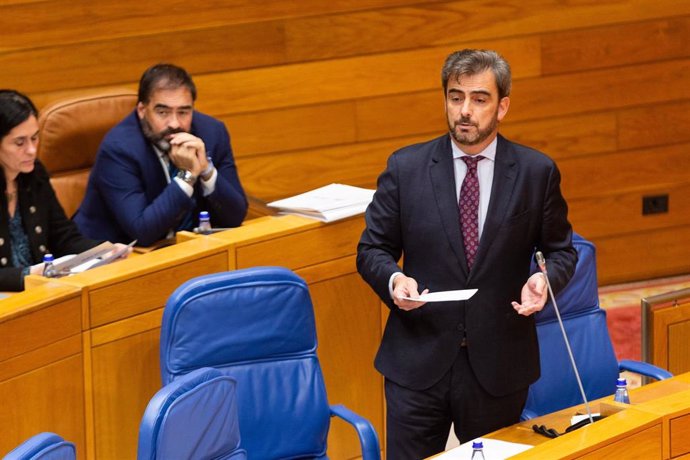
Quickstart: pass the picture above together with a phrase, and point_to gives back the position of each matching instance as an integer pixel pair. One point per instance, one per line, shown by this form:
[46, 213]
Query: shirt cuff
[186, 188]
[390, 283]
[209, 186]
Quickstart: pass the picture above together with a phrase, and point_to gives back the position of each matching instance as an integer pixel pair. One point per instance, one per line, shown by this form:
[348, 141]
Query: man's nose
[466, 110]
[173, 121]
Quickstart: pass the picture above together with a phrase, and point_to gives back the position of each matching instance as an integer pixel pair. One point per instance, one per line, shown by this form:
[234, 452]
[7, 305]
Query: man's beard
[472, 139]
[156, 138]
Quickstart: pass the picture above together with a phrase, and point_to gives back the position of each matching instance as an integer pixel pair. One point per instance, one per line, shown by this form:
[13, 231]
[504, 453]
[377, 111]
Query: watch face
[187, 176]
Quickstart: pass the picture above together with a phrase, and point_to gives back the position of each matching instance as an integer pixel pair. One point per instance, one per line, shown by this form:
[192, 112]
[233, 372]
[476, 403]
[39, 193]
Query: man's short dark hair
[15, 109]
[473, 62]
[164, 76]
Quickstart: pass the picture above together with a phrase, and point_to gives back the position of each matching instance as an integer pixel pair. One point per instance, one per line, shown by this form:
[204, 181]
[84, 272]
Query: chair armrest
[367, 435]
[527, 415]
[646, 369]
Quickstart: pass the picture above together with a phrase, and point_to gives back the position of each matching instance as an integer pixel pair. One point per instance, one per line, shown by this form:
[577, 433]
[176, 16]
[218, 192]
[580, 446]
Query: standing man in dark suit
[160, 166]
[465, 210]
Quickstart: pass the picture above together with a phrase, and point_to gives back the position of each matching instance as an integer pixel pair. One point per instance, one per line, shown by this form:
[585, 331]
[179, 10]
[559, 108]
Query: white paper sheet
[444, 296]
[493, 450]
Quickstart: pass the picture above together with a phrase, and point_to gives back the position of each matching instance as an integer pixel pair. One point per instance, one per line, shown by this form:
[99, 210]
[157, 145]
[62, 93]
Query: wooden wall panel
[292, 128]
[456, 22]
[634, 43]
[295, 172]
[35, 23]
[316, 92]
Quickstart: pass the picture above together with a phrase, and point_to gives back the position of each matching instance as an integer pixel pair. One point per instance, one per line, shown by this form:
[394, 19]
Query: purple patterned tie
[469, 208]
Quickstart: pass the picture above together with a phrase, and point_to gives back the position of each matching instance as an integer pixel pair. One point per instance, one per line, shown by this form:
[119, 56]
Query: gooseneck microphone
[542, 266]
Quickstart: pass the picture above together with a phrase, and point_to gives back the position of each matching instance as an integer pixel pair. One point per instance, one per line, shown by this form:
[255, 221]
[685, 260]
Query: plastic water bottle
[48, 267]
[477, 450]
[204, 223]
[621, 395]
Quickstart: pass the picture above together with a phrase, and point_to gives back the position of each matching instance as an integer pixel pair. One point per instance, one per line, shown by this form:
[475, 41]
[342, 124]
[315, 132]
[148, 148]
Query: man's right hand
[188, 152]
[404, 286]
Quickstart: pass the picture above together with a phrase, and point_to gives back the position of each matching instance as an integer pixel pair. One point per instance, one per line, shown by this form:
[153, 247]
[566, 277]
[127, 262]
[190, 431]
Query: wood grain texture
[642, 255]
[339, 79]
[599, 216]
[456, 22]
[62, 21]
[126, 375]
[56, 321]
[625, 170]
[124, 59]
[49, 398]
[680, 434]
[678, 350]
[615, 45]
[289, 129]
[283, 175]
[306, 248]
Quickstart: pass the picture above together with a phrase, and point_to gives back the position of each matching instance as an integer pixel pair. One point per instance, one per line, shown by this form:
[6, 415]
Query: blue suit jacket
[415, 213]
[128, 198]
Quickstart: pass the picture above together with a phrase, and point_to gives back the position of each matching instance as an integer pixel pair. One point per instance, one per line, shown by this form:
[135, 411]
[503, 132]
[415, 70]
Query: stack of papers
[329, 203]
[493, 450]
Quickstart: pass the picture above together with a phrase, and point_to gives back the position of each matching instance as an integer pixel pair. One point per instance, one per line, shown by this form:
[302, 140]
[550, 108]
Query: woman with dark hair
[32, 222]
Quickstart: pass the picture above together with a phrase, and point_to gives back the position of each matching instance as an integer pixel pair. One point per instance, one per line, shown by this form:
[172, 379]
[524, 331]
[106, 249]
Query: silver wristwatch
[187, 176]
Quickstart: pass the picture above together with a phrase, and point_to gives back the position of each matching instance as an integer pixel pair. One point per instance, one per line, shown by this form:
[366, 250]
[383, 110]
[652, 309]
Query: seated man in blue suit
[162, 165]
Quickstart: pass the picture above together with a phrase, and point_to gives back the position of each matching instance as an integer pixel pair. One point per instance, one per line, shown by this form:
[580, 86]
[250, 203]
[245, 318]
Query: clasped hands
[188, 152]
[533, 296]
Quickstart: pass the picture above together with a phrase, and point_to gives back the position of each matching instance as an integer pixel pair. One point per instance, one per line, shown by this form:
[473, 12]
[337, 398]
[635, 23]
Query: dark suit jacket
[415, 213]
[128, 197]
[45, 224]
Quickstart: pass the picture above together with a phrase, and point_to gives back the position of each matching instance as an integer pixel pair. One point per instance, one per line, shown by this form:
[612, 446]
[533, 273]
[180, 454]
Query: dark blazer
[128, 198]
[415, 213]
[45, 223]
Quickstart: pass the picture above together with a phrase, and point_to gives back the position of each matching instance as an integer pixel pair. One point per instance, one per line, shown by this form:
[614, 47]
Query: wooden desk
[115, 327]
[655, 426]
[41, 365]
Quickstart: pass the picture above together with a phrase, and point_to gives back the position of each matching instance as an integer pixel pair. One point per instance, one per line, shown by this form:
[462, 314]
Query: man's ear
[140, 109]
[503, 106]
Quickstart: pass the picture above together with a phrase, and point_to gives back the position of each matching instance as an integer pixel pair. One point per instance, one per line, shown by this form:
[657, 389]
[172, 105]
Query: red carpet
[625, 329]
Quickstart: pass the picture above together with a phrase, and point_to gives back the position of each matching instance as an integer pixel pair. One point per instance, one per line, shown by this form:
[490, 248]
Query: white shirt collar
[489, 152]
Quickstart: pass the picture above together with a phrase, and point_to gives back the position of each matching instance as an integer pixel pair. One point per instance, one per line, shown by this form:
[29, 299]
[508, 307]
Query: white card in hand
[444, 296]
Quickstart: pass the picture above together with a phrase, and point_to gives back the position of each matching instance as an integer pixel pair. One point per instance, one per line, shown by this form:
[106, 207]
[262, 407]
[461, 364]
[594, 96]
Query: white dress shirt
[485, 175]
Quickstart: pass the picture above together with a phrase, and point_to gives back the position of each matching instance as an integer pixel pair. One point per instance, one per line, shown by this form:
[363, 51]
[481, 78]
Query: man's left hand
[188, 152]
[534, 295]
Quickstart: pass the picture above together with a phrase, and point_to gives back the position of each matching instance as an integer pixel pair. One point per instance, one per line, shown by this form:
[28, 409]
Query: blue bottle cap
[203, 215]
[47, 258]
[621, 383]
[477, 445]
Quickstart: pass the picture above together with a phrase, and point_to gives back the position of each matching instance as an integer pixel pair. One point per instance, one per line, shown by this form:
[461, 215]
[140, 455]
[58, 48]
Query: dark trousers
[418, 421]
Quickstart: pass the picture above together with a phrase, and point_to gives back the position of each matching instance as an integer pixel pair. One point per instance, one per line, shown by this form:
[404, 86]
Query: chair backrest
[256, 325]
[43, 446]
[193, 417]
[71, 131]
[585, 325]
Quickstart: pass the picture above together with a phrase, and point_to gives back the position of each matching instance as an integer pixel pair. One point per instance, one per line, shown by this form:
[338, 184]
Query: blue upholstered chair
[257, 326]
[194, 417]
[585, 324]
[43, 446]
